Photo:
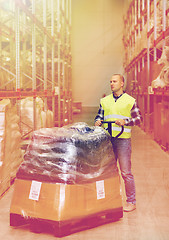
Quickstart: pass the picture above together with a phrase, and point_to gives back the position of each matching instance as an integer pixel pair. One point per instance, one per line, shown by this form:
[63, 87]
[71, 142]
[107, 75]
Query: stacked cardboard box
[10, 139]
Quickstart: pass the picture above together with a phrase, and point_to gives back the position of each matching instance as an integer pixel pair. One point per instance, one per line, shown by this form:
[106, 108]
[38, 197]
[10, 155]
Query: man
[121, 108]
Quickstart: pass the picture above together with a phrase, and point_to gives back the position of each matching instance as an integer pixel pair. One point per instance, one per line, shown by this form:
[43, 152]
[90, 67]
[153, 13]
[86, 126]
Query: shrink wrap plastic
[72, 154]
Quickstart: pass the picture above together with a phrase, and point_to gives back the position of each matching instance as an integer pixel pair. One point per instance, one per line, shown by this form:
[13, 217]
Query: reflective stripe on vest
[115, 116]
[118, 110]
[127, 130]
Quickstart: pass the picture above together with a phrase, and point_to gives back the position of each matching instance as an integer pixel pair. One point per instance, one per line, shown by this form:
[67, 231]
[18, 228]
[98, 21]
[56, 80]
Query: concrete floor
[150, 221]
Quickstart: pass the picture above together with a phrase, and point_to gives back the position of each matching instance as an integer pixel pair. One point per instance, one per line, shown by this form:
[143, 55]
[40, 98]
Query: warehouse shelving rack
[145, 34]
[35, 52]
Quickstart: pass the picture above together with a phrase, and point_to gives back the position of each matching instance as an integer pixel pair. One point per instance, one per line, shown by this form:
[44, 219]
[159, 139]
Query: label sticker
[35, 190]
[100, 189]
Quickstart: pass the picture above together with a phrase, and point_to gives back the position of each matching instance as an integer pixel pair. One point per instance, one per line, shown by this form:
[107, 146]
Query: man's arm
[136, 117]
[99, 117]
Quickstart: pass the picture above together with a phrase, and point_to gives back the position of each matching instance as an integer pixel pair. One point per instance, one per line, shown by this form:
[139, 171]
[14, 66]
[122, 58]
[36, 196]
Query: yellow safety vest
[118, 110]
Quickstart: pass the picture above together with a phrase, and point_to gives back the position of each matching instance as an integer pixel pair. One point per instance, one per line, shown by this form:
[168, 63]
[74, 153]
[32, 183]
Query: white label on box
[100, 189]
[35, 190]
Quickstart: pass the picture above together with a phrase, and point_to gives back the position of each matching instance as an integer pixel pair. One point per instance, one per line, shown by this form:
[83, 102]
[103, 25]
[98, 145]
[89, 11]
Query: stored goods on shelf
[164, 57]
[10, 139]
[163, 78]
[43, 119]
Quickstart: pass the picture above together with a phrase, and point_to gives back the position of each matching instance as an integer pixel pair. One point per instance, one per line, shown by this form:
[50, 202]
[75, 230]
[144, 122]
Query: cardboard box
[59, 202]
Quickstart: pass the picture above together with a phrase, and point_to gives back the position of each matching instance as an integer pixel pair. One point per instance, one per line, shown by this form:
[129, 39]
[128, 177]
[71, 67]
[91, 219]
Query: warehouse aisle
[151, 218]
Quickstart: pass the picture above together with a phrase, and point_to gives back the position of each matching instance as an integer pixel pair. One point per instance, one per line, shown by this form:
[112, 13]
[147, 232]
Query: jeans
[122, 151]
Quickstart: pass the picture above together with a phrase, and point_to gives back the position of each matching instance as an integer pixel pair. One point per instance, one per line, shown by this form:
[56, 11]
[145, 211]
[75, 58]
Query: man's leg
[122, 150]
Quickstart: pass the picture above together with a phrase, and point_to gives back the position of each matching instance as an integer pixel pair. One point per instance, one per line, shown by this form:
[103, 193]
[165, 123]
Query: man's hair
[121, 76]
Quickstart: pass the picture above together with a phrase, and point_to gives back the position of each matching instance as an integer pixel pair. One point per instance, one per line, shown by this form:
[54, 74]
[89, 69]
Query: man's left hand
[120, 122]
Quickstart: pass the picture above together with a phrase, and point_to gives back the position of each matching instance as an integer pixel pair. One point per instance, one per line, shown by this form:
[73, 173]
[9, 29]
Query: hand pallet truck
[66, 208]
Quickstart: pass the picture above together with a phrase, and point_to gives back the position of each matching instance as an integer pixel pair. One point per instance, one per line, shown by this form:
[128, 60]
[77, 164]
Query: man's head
[117, 84]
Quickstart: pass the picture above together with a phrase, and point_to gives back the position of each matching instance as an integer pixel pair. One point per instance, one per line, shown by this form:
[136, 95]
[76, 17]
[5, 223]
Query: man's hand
[98, 123]
[120, 122]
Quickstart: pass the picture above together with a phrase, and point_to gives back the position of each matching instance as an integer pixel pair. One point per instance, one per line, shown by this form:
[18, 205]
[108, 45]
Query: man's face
[116, 83]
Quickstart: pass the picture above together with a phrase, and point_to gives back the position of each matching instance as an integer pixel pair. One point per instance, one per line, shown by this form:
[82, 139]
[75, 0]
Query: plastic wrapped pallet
[68, 178]
[10, 139]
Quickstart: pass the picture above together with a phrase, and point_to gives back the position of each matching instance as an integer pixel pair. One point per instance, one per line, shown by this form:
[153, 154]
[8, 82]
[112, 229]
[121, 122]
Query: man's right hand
[98, 123]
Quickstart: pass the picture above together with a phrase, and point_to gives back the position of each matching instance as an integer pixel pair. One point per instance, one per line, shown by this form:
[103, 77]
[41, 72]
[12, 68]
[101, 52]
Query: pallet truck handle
[110, 128]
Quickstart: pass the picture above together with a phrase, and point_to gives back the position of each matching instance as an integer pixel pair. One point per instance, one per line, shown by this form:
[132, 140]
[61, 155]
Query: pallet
[68, 227]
